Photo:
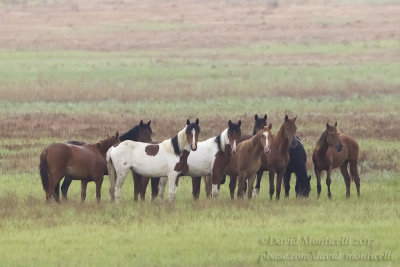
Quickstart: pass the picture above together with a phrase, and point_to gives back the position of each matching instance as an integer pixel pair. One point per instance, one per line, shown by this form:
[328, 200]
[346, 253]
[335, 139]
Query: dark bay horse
[249, 158]
[333, 150]
[297, 165]
[142, 133]
[86, 163]
[278, 159]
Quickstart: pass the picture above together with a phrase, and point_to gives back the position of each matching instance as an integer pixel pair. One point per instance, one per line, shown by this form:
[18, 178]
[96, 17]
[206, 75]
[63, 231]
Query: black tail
[43, 167]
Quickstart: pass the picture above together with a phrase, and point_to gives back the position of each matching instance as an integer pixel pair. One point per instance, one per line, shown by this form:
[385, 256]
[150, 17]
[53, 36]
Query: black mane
[133, 133]
[218, 141]
[175, 145]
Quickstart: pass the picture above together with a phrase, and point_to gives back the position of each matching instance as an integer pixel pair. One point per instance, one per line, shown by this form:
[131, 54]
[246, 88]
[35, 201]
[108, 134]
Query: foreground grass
[203, 232]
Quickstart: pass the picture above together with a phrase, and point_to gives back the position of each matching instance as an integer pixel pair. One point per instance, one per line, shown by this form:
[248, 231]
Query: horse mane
[175, 145]
[132, 134]
[322, 140]
[218, 141]
[102, 146]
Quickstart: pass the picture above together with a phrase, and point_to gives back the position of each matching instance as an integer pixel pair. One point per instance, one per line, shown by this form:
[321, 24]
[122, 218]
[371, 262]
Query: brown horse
[142, 133]
[86, 163]
[249, 158]
[278, 159]
[333, 150]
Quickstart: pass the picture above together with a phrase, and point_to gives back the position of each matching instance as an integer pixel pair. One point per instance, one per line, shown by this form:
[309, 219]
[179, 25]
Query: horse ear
[270, 126]
[229, 123]
[149, 123]
[335, 123]
[255, 117]
[327, 125]
[286, 118]
[141, 123]
[187, 122]
[295, 118]
[116, 135]
[197, 121]
[265, 117]
[239, 123]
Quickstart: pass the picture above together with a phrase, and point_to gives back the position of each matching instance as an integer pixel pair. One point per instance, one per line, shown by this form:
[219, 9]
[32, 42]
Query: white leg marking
[161, 187]
[214, 191]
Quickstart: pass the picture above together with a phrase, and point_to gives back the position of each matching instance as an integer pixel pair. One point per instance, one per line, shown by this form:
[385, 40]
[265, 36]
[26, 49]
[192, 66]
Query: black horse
[297, 165]
[141, 132]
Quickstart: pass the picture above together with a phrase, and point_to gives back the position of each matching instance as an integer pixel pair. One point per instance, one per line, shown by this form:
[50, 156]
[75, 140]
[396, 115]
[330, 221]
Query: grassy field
[80, 71]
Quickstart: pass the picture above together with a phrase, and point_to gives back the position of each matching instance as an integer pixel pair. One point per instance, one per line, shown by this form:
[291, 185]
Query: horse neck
[130, 135]
[182, 141]
[256, 144]
[224, 139]
[322, 145]
[280, 142]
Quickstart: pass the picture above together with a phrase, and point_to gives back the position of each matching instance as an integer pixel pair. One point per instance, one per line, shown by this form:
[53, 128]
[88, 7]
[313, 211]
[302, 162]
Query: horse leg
[318, 175]
[241, 182]
[279, 178]
[232, 186]
[354, 174]
[137, 183]
[64, 187]
[154, 187]
[83, 190]
[196, 183]
[119, 181]
[346, 176]
[145, 182]
[56, 193]
[251, 180]
[99, 182]
[172, 184]
[161, 186]
[328, 182]
[208, 185]
[271, 184]
[286, 182]
[258, 183]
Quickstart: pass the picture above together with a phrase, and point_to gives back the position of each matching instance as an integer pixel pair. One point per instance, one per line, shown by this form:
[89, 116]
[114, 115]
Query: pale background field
[79, 70]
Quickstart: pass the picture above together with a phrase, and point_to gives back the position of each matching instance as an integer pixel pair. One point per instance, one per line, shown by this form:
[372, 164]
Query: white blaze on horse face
[215, 191]
[266, 147]
[234, 147]
[194, 140]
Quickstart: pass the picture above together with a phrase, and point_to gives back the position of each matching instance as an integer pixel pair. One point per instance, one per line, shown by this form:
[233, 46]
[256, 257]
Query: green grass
[204, 232]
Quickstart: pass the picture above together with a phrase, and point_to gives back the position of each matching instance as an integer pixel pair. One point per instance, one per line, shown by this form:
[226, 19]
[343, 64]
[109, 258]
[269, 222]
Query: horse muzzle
[194, 147]
[267, 149]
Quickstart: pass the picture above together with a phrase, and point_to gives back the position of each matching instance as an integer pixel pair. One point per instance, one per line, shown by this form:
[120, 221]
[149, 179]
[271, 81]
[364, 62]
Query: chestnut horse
[278, 159]
[86, 163]
[168, 158]
[142, 133]
[333, 150]
[249, 158]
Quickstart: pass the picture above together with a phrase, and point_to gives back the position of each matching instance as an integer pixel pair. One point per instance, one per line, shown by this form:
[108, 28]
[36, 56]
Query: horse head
[332, 137]
[144, 132]
[290, 129]
[259, 123]
[192, 133]
[266, 138]
[234, 135]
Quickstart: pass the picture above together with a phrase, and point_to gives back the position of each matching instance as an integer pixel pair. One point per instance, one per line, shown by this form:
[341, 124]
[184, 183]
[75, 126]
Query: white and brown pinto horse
[201, 161]
[166, 159]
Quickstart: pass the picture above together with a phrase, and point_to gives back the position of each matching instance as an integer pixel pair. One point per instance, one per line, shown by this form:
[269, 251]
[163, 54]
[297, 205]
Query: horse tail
[111, 173]
[44, 170]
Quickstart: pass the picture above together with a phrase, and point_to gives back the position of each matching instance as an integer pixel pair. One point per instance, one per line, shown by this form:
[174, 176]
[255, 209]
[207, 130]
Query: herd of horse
[243, 158]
